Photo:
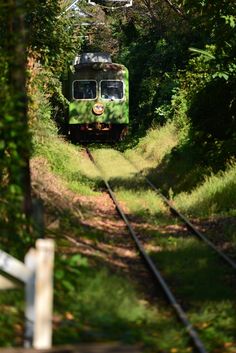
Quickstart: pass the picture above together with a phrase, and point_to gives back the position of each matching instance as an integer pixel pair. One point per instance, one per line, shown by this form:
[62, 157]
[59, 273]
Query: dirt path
[91, 214]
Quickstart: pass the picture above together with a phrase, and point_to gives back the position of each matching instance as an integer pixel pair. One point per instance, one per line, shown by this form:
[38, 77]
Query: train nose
[98, 109]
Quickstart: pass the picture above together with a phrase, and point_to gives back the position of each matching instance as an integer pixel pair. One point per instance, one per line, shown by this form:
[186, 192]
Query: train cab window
[112, 89]
[85, 89]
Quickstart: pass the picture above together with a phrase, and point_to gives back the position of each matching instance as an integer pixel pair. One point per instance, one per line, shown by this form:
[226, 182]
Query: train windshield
[85, 89]
[112, 89]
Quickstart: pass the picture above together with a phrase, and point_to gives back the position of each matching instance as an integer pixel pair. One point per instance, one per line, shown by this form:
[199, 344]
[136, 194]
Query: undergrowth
[97, 302]
[183, 176]
[152, 148]
[158, 142]
[192, 270]
[215, 196]
[68, 162]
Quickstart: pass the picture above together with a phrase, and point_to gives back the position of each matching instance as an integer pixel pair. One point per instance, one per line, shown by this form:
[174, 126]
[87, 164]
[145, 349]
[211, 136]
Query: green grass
[179, 173]
[12, 317]
[168, 164]
[69, 162]
[203, 284]
[216, 196]
[198, 277]
[104, 306]
[96, 303]
[155, 145]
[145, 204]
[130, 187]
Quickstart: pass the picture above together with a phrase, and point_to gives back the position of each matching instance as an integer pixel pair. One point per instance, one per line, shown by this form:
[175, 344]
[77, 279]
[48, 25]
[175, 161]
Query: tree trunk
[19, 175]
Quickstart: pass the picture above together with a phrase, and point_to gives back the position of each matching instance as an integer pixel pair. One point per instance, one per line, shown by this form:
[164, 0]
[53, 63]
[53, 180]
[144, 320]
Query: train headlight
[98, 108]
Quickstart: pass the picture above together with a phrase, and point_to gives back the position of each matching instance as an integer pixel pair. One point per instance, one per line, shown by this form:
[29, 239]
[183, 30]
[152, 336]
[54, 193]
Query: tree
[15, 140]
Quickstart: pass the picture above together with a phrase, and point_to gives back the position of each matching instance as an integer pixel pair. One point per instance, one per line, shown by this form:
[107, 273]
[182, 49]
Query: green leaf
[59, 274]
[221, 75]
[230, 20]
[77, 260]
[66, 284]
[205, 53]
[2, 145]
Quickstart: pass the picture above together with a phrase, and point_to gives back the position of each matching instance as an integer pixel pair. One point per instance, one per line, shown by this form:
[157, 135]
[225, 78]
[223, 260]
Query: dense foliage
[181, 57]
[36, 32]
[14, 134]
[182, 66]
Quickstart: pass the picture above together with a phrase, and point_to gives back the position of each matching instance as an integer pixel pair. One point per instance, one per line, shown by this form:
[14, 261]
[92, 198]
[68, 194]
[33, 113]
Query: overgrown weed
[154, 146]
[215, 196]
[192, 269]
[68, 161]
[194, 187]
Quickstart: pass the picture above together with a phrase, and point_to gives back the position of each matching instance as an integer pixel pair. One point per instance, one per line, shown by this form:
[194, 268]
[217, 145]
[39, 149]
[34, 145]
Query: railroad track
[193, 334]
[185, 220]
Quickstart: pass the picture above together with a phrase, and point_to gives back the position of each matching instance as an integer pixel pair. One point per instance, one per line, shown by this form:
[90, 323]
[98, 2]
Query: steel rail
[185, 219]
[153, 268]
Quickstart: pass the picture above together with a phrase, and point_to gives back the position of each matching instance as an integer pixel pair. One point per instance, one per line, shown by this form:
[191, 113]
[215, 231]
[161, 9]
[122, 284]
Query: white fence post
[37, 276]
[30, 262]
[43, 294]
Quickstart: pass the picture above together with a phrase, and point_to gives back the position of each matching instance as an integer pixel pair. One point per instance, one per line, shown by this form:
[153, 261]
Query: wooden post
[43, 294]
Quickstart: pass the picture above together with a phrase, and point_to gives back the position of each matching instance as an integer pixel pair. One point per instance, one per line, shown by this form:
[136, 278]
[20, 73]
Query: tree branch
[175, 8]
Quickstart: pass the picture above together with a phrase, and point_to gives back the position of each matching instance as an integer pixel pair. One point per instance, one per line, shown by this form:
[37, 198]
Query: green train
[98, 92]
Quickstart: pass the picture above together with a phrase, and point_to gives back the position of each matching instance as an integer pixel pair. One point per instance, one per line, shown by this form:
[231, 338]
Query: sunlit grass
[144, 203]
[130, 187]
[69, 162]
[217, 195]
[154, 146]
[113, 164]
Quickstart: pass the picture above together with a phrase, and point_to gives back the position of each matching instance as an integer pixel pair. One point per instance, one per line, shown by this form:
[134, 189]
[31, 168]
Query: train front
[99, 100]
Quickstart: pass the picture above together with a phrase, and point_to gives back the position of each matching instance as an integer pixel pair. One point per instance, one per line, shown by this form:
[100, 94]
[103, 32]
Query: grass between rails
[198, 277]
[98, 322]
[95, 304]
[103, 306]
[85, 318]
